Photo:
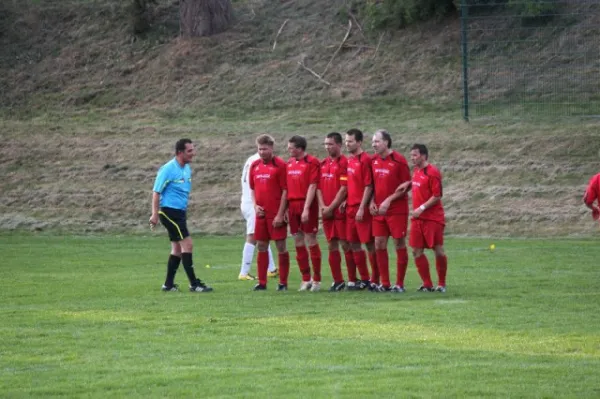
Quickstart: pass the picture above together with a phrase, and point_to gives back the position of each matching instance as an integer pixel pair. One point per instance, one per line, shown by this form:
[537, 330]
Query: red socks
[315, 257]
[262, 265]
[441, 265]
[401, 265]
[335, 264]
[383, 266]
[350, 265]
[374, 268]
[284, 267]
[423, 268]
[303, 265]
[360, 258]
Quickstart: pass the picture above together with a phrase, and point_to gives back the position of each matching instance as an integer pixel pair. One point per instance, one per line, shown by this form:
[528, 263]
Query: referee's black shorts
[174, 222]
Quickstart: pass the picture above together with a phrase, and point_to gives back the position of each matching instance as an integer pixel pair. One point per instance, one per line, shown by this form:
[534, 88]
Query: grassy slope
[89, 114]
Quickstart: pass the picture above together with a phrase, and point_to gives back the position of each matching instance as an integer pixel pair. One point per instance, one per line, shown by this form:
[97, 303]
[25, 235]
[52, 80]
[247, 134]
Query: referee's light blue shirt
[174, 183]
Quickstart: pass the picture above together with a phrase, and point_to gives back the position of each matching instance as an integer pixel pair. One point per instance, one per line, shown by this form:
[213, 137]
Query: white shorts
[249, 214]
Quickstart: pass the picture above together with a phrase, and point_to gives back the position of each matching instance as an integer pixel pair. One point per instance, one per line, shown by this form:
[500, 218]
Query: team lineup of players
[362, 200]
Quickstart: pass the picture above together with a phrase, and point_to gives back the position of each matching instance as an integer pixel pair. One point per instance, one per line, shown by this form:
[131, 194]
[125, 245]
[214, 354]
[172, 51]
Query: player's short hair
[385, 135]
[422, 148]
[265, 139]
[180, 145]
[335, 136]
[298, 142]
[357, 134]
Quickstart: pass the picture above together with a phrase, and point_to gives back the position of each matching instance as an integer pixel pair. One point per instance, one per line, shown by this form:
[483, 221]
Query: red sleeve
[367, 172]
[593, 190]
[283, 175]
[315, 171]
[343, 172]
[251, 177]
[435, 182]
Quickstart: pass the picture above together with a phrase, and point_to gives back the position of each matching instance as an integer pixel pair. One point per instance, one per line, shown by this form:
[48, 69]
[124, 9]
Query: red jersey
[359, 177]
[268, 180]
[334, 175]
[592, 192]
[301, 174]
[427, 183]
[388, 174]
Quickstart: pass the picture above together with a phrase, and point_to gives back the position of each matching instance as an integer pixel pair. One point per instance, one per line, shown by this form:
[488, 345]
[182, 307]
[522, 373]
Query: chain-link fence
[524, 58]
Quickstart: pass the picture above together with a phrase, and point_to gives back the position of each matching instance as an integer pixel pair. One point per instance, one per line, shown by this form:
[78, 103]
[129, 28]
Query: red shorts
[264, 230]
[390, 225]
[425, 233]
[358, 231]
[295, 209]
[334, 228]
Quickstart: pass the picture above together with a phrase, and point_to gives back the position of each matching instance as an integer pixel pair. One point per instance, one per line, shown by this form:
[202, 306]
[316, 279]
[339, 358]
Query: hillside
[89, 113]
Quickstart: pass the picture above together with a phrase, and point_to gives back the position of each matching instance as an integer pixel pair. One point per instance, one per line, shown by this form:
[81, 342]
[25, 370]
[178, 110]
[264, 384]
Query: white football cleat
[305, 286]
[316, 286]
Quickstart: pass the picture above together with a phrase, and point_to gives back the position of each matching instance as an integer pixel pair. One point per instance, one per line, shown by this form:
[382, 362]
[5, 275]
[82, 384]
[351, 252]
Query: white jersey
[246, 197]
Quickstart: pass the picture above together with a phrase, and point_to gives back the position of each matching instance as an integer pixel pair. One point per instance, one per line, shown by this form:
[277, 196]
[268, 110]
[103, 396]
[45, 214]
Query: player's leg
[315, 258]
[262, 235]
[441, 261]
[365, 236]
[284, 264]
[272, 271]
[249, 245]
[335, 265]
[381, 234]
[418, 244]
[398, 225]
[172, 266]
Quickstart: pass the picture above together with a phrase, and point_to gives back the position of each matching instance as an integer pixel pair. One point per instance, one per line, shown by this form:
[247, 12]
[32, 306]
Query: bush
[394, 14]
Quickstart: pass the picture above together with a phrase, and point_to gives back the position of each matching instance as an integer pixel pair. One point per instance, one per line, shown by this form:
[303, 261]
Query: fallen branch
[357, 24]
[279, 33]
[314, 73]
[339, 47]
[378, 44]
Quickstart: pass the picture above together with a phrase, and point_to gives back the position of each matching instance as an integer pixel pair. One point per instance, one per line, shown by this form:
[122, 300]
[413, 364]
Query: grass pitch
[85, 317]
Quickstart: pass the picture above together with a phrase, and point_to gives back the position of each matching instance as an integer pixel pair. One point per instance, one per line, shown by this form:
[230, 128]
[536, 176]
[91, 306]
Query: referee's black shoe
[199, 286]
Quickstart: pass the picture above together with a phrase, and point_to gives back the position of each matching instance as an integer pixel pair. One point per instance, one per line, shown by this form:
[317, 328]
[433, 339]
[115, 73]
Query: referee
[171, 191]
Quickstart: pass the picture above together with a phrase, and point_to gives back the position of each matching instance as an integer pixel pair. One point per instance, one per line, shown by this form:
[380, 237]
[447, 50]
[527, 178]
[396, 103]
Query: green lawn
[85, 317]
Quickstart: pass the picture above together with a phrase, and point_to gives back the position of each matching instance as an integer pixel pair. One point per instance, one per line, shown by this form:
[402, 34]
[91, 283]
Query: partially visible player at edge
[389, 209]
[268, 192]
[428, 220]
[592, 194]
[171, 192]
[247, 208]
[303, 212]
[331, 194]
[358, 218]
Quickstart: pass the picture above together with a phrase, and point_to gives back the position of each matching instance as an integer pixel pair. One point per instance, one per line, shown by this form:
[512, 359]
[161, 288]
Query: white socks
[248, 256]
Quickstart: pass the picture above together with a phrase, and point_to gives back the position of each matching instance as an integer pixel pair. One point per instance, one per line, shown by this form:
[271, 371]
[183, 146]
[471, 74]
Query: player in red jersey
[428, 220]
[358, 218]
[303, 213]
[389, 208]
[331, 194]
[269, 192]
[592, 194]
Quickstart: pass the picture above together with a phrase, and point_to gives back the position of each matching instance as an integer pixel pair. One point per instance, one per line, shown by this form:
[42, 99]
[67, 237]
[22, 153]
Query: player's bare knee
[280, 245]
[333, 245]
[417, 252]
[345, 245]
[311, 239]
[400, 243]
[439, 250]
[380, 243]
[262, 246]
[250, 239]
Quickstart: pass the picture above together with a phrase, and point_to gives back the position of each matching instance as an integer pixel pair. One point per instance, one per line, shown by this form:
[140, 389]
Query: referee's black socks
[172, 266]
[188, 265]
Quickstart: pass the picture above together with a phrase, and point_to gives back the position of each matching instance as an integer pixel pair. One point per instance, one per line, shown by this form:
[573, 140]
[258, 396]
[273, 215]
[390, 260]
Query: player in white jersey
[247, 207]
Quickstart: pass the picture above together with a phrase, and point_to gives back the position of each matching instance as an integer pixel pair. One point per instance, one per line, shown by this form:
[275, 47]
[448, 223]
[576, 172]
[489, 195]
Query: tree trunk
[204, 17]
